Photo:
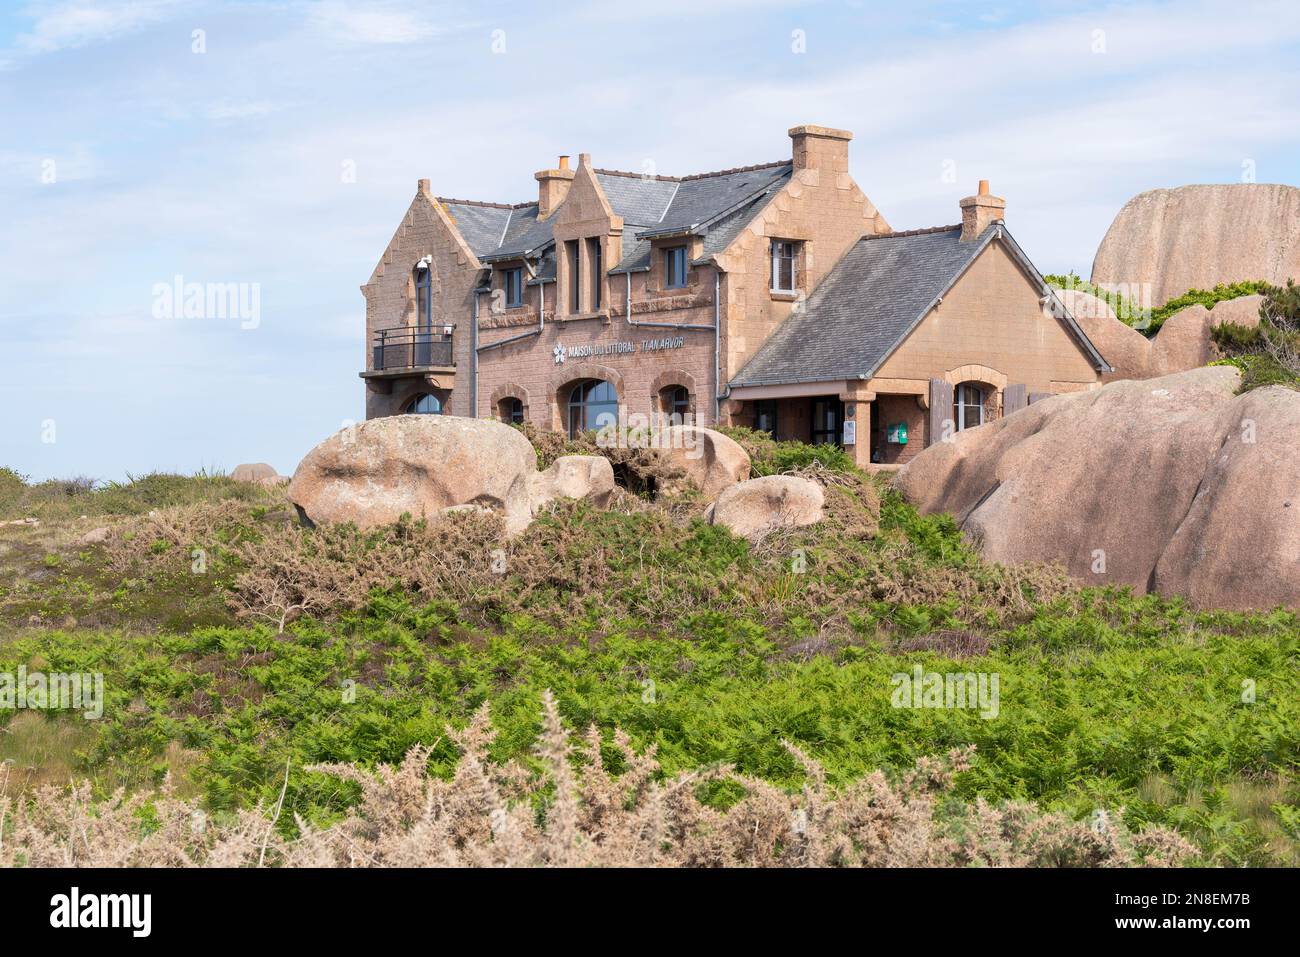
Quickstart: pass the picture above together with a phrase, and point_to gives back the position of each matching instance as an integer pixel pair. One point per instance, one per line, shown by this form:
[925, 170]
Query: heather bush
[640, 470]
[656, 564]
[581, 814]
[769, 457]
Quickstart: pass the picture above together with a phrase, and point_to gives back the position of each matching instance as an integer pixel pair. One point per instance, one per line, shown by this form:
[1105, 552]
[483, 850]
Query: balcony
[405, 349]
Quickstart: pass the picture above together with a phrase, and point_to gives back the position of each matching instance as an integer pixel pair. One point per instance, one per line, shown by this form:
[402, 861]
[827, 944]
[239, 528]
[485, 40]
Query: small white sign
[850, 432]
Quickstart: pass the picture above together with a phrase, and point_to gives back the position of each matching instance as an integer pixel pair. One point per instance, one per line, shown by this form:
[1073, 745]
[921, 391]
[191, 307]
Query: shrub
[12, 487]
[1149, 321]
[581, 814]
[638, 469]
[1268, 354]
[769, 457]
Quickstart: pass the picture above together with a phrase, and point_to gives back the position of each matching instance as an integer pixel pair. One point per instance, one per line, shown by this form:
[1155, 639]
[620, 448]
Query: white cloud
[62, 25]
[242, 111]
[376, 22]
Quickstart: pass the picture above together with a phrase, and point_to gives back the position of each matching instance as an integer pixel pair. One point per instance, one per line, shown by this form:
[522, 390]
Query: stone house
[774, 296]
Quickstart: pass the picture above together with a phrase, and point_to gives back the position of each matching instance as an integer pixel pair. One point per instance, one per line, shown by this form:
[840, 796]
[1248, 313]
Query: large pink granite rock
[1195, 237]
[1175, 484]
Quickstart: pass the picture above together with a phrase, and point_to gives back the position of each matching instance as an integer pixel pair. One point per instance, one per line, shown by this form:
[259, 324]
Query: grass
[70, 499]
[709, 648]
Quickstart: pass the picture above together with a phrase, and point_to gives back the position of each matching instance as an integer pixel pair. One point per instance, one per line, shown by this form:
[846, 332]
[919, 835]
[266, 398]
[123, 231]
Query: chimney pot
[552, 187]
[984, 187]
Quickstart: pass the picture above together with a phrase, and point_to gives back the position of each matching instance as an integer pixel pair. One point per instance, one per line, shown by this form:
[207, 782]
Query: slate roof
[871, 300]
[714, 205]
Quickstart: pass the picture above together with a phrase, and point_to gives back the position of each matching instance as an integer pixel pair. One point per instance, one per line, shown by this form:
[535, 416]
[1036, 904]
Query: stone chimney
[820, 147]
[977, 212]
[552, 186]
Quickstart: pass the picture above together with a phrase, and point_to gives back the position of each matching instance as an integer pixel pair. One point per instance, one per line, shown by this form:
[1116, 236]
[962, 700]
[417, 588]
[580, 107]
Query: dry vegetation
[565, 566]
[225, 630]
[486, 815]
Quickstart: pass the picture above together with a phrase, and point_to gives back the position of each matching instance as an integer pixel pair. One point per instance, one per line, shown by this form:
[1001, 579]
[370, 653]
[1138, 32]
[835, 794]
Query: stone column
[857, 409]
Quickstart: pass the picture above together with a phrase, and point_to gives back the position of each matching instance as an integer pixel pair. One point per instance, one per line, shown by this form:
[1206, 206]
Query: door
[877, 432]
[827, 420]
[422, 338]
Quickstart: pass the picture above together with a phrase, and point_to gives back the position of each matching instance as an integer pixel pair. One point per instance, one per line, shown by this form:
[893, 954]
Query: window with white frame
[784, 253]
[968, 405]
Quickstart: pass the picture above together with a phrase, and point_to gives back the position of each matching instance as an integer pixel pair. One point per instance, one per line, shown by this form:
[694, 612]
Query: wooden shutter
[1014, 398]
[940, 408]
[1035, 396]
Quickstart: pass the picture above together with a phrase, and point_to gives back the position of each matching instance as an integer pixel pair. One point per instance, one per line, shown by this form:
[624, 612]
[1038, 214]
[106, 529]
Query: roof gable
[430, 208]
[871, 301]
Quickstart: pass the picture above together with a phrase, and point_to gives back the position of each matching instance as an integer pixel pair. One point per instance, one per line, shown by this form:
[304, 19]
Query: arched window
[968, 405]
[512, 410]
[675, 400]
[424, 404]
[592, 405]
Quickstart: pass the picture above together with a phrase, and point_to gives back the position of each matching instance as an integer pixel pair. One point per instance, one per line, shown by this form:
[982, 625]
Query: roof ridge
[623, 172]
[682, 179]
[912, 232]
[738, 169]
[479, 202]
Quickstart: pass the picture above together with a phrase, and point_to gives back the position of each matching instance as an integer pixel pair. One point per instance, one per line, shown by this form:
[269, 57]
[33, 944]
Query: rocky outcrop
[373, 472]
[1126, 349]
[1182, 343]
[1239, 544]
[1195, 237]
[758, 506]
[588, 477]
[253, 472]
[430, 465]
[712, 462]
[1174, 484]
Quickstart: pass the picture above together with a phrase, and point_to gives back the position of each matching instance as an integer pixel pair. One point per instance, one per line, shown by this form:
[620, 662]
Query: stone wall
[390, 293]
[992, 318]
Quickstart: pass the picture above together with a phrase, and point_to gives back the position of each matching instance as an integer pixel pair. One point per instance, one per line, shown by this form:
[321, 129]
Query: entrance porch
[875, 428]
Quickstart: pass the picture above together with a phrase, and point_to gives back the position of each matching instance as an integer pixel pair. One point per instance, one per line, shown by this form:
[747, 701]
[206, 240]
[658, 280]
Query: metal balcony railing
[405, 347]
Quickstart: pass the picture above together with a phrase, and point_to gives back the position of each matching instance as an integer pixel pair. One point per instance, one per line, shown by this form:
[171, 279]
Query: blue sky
[127, 159]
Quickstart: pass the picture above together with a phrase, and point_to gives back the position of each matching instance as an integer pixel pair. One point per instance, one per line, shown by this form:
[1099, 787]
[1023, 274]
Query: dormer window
[675, 267]
[783, 265]
[512, 282]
